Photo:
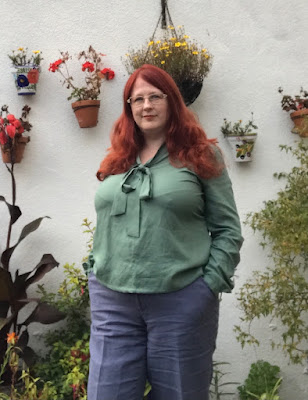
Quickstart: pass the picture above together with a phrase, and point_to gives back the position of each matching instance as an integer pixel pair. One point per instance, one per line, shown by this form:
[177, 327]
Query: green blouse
[159, 228]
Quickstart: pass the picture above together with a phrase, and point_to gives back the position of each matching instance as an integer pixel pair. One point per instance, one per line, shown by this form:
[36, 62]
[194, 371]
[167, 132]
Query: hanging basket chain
[162, 18]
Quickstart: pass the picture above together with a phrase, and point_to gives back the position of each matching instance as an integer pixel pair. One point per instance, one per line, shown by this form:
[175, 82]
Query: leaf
[14, 210]
[29, 228]
[45, 314]
[46, 264]
[29, 356]
[23, 340]
[6, 285]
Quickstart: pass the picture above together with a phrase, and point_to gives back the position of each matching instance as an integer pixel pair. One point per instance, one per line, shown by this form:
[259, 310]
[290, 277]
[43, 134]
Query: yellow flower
[158, 41]
[156, 55]
[150, 43]
[203, 50]
[20, 49]
[177, 44]
[152, 51]
[163, 62]
[165, 43]
[127, 55]
[167, 55]
[36, 51]
[195, 52]
[180, 26]
[170, 27]
[186, 37]
[184, 44]
[206, 56]
[173, 38]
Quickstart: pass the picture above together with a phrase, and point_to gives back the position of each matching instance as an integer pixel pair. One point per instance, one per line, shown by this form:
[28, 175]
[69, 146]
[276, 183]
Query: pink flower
[108, 73]
[11, 130]
[88, 65]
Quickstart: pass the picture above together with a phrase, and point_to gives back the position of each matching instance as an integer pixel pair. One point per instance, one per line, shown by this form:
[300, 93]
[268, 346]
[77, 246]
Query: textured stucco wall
[257, 46]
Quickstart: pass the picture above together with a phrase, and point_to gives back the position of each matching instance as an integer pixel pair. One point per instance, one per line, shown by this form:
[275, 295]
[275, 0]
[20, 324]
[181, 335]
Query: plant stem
[11, 171]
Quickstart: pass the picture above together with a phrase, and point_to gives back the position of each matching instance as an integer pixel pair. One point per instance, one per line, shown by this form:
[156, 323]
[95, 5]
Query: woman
[166, 243]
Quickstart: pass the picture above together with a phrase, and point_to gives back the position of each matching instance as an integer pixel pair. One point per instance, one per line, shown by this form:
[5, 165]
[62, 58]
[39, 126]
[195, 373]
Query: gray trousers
[168, 339]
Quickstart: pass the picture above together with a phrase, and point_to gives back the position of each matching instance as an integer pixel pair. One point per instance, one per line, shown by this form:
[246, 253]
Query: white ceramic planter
[242, 147]
[26, 78]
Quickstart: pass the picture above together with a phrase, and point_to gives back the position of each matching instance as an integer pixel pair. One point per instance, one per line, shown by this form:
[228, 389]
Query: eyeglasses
[154, 99]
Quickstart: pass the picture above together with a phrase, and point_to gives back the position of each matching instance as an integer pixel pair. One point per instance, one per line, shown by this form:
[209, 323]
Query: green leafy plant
[294, 103]
[218, 384]
[20, 57]
[13, 288]
[262, 379]
[94, 74]
[281, 291]
[238, 128]
[272, 395]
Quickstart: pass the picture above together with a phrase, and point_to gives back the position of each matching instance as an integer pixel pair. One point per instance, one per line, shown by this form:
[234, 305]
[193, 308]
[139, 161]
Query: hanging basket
[86, 112]
[15, 154]
[242, 147]
[26, 78]
[190, 90]
[300, 119]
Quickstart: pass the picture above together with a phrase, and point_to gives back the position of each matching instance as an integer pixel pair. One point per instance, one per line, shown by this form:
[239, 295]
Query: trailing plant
[92, 66]
[238, 128]
[218, 383]
[281, 291]
[263, 378]
[13, 288]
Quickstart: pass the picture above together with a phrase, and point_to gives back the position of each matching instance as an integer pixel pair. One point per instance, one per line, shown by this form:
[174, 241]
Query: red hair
[186, 141]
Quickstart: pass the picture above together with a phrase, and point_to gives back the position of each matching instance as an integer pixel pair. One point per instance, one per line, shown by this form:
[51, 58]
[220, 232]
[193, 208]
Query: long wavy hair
[186, 141]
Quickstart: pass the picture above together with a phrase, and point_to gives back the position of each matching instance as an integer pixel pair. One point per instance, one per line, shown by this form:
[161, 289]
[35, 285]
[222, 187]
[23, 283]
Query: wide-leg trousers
[167, 338]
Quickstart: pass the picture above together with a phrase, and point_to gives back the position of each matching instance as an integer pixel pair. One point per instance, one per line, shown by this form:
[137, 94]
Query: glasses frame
[129, 100]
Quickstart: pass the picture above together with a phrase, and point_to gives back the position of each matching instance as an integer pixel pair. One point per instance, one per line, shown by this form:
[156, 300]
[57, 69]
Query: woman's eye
[154, 97]
[138, 100]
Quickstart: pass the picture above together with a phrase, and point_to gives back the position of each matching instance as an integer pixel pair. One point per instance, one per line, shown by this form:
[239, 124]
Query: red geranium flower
[108, 73]
[3, 138]
[88, 65]
[55, 66]
[11, 130]
[20, 130]
[17, 123]
[11, 118]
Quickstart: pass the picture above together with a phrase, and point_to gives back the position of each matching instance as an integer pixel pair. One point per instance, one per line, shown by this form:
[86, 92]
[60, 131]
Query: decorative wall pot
[26, 78]
[190, 90]
[242, 147]
[86, 112]
[16, 154]
[300, 119]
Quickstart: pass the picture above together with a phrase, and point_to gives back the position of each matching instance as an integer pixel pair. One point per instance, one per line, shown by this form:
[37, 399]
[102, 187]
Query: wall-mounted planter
[86, 112]
[242, 147]
[15, 154]
[300, 119]
[26, 78]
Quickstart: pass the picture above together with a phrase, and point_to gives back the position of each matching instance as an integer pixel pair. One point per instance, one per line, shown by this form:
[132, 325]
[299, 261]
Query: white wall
[257, 46]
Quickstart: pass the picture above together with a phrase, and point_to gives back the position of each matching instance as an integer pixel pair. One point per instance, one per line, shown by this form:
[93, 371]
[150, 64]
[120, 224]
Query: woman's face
[150, 109]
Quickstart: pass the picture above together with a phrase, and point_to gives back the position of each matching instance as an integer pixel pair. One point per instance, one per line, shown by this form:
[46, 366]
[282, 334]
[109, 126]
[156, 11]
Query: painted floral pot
[300, 119]
[86, 112]
[242, 147]
[15, 154]
[26, 78]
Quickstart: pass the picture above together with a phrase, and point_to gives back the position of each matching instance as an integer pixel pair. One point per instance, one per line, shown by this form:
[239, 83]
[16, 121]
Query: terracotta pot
[242, 147]
[300, 119]
[26, 78]
[86, 112]
[16, 154]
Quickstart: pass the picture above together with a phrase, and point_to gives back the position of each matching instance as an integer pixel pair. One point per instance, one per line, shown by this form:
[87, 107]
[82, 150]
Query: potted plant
[241, 137]
[87, 104]
[12, 141]
[25, 69]
[298, 104]
[184, 59]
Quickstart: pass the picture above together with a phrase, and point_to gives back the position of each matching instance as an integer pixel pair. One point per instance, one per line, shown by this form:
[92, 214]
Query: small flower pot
[242, 147]
[15, 154]
[26, 78]
[190, 90]
[86, 112]
[300, 119]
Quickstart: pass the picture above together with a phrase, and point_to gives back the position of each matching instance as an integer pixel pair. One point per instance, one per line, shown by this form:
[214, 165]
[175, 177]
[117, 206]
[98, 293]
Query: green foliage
[262, 378]
[281, 292]
[238, 128]
[218, 383]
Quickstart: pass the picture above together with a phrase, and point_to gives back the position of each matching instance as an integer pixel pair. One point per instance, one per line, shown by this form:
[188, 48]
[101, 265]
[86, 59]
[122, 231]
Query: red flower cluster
[88, 65]
[108, 73]
[9, 126]
[55, 66]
